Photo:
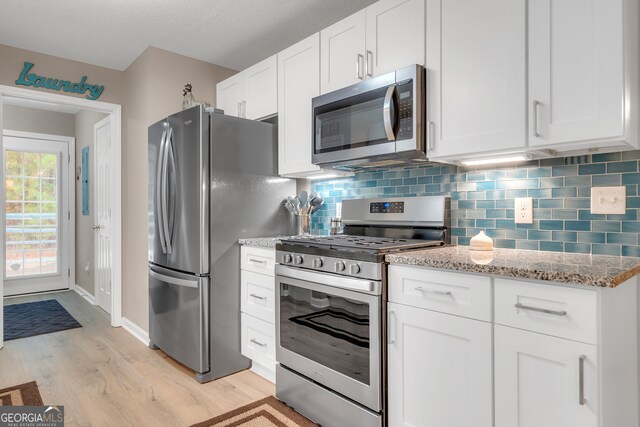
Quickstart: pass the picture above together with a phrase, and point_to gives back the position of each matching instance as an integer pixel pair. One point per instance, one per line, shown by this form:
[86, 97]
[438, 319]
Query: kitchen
[418, 123]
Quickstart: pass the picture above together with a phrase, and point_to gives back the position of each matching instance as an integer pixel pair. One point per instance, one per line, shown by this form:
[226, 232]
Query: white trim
[115, 111]
[84, 294]
[136, 331]
[266, 373]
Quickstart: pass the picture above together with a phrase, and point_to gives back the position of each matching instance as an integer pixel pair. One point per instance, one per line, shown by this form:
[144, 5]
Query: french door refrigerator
[212, 180]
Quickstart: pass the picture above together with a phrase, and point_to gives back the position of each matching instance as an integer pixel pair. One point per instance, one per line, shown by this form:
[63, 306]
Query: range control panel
[386, 207]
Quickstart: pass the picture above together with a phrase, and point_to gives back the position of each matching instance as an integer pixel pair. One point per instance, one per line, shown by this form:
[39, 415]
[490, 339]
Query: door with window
[38, 214]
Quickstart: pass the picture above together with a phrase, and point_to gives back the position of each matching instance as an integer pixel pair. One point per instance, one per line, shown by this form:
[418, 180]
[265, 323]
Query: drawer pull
[541, 310]
[434, 291]
[255, 341]
[258, 296]
[581, 399]
[257, 261]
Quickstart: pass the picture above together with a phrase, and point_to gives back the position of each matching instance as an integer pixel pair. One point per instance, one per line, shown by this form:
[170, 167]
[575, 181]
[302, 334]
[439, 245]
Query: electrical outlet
[339, 210]
[608, 200]
[524, 210]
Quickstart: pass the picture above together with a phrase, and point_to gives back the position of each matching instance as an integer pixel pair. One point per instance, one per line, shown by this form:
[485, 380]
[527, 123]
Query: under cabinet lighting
[325, 176]
[494, 160]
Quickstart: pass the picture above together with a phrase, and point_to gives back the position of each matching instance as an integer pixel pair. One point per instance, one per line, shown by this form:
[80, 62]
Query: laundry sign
[27, 78]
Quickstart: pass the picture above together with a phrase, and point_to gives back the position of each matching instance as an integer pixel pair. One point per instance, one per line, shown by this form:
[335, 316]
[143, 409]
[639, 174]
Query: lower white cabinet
[544, 381]
[440, 369]
[259, 345]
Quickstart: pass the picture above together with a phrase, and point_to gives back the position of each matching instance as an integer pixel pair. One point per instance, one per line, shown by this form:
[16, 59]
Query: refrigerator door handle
[165, 195]
[172, 192]
[159, 198]
[174, 280]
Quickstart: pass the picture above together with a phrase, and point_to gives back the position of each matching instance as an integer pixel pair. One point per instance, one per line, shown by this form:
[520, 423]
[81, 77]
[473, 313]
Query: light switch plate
[523, 210]
[608, 200]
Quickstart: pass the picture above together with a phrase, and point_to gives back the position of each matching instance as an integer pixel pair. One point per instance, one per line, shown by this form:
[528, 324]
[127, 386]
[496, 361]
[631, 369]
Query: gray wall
[39, 121]
[84, 121]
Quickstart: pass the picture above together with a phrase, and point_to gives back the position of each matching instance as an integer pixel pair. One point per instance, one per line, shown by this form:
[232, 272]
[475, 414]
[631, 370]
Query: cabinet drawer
[552, 310]
[258, 295]
[258, 260]
[460, 294]
[259, 341]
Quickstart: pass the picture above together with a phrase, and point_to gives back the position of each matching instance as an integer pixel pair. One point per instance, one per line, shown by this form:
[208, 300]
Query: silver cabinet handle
[541, 310]
[434, 291]
[257, 261]
[369, 60]
[391, 332]
[240, 109]
[359, 66]
[431, 137]
[258, 297]
[581, 399]
[386, 111]
[255, 341]
[536, 104]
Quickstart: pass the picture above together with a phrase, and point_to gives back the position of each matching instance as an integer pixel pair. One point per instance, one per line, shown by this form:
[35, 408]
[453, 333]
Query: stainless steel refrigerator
[212, 180]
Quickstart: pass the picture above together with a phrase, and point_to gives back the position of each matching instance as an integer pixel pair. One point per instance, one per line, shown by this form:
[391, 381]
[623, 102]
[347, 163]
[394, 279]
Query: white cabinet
[476, 77]
[576, 70]
[383, 37]
[440, 369]
[298, 83]
[230, 95]
[544, 381]
[252, 93]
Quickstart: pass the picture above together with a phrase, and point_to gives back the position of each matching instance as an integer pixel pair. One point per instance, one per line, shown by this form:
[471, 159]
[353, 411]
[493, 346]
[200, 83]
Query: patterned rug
[268, 412]
[26, 394]
[36, 318]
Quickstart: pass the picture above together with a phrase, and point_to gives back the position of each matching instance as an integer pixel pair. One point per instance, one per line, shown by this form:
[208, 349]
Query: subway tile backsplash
[482, 199]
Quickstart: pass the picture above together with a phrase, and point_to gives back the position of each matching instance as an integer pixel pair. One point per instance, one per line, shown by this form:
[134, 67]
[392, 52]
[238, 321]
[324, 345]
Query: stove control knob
[317, 263]
[287, 258]
[339, 266]
[299, 259]
[354, 269]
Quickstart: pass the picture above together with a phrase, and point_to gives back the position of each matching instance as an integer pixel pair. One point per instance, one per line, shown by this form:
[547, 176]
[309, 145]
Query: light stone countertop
[558, 267]
[263, 242]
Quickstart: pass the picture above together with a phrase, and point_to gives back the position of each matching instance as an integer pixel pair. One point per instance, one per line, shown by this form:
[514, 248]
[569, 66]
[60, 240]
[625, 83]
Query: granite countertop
[263, 242]
[558, 267]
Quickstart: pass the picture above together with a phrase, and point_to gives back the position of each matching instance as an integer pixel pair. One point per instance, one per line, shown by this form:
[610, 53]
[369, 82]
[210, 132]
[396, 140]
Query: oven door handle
[333, 280]
[386, 113]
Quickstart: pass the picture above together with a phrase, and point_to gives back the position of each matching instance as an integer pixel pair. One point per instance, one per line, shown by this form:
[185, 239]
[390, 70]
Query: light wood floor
[105, 377]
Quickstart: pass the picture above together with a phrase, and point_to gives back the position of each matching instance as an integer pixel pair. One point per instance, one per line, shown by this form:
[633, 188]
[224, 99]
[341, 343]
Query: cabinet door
[439, 369]
[476, 59]
[261, 89]
[395, 35]
[230, 94]
[576, 70]
[539, 381]
[298, 83]
[342, 49]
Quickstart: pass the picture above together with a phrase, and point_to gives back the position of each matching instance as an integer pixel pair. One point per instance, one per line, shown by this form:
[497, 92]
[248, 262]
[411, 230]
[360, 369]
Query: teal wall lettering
[26, 78]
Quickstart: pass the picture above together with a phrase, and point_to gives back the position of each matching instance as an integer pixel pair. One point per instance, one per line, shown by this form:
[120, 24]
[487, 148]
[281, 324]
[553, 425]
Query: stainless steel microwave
[375, 123]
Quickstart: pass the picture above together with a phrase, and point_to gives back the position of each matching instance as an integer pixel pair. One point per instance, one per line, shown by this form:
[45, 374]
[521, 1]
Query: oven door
[330, 334]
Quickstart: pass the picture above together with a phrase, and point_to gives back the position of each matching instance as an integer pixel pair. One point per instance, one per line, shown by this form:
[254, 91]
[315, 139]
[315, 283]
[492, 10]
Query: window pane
[49, 165]
[31, 164]
[31, 189]
[14, 188]
[49, 190]
[31, 263]
[14, 162]
[14, 264]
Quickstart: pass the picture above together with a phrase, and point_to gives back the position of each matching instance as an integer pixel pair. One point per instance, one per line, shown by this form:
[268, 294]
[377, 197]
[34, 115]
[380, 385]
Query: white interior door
[38, 206]
[102, 215]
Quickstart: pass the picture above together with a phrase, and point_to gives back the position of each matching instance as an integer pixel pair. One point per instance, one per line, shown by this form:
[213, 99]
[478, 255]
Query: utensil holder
[303, 224]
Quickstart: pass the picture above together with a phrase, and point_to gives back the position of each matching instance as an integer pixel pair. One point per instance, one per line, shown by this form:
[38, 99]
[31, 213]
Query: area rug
[338, 324]
[26, 394]
[36, 318]
[268, 412]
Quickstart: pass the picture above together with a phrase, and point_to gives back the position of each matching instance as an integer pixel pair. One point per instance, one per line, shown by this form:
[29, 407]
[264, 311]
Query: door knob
[96, 227]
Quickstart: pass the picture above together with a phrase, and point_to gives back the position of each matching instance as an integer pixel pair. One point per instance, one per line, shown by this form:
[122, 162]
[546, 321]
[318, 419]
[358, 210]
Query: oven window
[351, 123]
[327, 329]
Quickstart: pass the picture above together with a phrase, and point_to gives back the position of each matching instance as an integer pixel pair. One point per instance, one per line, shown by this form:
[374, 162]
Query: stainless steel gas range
[331, 294]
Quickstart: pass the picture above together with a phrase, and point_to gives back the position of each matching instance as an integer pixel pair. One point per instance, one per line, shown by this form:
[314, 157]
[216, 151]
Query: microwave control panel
[405, 107]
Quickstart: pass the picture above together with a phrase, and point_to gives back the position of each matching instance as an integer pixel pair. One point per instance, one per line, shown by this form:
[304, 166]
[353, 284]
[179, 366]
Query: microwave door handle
[159, 198]
[386, 112]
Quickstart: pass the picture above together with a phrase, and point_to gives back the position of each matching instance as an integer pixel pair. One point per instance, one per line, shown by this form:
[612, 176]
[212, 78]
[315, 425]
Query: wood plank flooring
[105, 377]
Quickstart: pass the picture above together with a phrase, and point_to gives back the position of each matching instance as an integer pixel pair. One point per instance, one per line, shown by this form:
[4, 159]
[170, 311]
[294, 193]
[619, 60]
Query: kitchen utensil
[303, 201]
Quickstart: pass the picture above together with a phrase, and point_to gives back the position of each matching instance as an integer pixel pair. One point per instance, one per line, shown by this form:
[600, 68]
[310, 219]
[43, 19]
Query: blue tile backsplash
[482, 199]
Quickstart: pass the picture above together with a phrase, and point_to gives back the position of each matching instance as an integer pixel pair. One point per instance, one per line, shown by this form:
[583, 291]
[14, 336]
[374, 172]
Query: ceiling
[112, 33]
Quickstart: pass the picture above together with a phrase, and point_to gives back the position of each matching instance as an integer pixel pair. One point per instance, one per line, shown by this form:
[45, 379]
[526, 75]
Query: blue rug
[36, 318]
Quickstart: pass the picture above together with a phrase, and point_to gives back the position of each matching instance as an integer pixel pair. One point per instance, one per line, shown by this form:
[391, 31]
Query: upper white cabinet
[298, 83]
[576, 70]
[252, 93]
[379, 39]
[476, 76]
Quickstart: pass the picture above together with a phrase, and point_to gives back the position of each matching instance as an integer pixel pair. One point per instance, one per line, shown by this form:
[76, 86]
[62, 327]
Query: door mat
[36, 318]
[26, 394]
[268, 412]
[338, 324]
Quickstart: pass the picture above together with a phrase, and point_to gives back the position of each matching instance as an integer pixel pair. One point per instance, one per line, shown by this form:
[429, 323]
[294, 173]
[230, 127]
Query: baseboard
[84, 294]
[136, 331]
[264, 372]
